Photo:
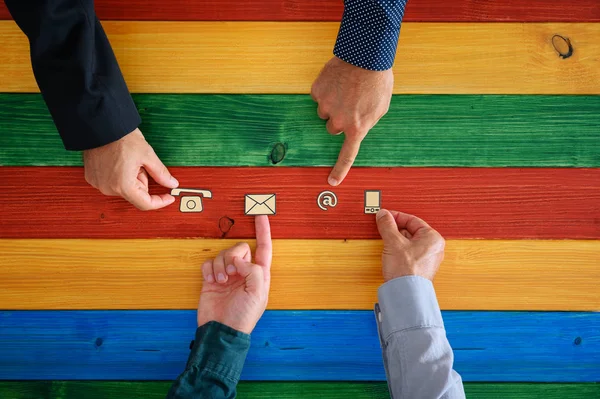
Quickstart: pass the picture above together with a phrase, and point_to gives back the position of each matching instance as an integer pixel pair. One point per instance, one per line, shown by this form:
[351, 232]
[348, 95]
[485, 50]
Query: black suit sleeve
[76, 71]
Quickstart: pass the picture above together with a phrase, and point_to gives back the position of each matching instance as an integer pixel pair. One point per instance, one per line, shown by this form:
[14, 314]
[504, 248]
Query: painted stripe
[476, 274]
[262, 130]
[271, 57]
[56, 202]
[286, 345]
[283, 390]
[331, 10]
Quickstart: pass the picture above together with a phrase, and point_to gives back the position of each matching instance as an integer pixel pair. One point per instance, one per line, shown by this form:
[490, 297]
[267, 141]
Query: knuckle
[245, 246]
[89, 180]
[437, 240]
[442, 242]
[347, 160]
[313, 91]
[117, 188]
[335, 126]
[357, 124]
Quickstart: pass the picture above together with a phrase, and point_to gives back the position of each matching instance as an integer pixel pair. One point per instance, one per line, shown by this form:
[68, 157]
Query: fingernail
[174, 182]
[210, 278]
[221, 278]
[231, 269]
[332, 181]
[381, 213]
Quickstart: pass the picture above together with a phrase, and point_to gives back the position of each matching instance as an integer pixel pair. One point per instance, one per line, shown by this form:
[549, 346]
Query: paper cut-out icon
[327, 199]
[191, 203]
[372, 201]
[259, 204]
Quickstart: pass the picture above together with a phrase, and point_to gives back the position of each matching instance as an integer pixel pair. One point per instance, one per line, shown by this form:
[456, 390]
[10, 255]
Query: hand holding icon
[191, 203]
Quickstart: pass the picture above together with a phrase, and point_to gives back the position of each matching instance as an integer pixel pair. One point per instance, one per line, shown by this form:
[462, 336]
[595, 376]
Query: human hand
[410, 246]
[235, 291]
[352, 100]
[121, 168]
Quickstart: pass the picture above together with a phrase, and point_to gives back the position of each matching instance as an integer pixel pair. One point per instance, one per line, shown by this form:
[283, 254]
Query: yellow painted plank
[307, 274]
[285, 57]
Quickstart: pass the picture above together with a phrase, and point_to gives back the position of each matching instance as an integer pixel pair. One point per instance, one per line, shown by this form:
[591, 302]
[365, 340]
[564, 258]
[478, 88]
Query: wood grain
[300, 346]
[271, 57]
[283, 390]
[246, 130]
[307, 274]
[331, 10]
[56, 202]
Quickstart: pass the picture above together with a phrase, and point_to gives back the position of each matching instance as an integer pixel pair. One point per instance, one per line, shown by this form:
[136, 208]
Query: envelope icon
[259, 204]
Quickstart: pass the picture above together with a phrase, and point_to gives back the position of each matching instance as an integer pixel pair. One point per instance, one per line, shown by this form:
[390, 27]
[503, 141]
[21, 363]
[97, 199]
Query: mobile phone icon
[191, 203]
[372, 201]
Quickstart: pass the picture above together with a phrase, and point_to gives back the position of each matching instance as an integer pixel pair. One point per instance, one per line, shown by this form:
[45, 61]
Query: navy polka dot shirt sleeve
[369, 33]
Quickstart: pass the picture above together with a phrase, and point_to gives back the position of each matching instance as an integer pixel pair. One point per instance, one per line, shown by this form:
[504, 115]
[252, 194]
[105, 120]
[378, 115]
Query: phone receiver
[191, 203]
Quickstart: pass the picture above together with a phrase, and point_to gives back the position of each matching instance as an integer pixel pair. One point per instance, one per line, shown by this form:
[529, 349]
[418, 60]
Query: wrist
[356, 70]
[389, 275]
[245, 328]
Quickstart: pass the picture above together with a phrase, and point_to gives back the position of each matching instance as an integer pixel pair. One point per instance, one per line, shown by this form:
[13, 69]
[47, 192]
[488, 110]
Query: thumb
[253, 274]
[159, 171]
[386, 224]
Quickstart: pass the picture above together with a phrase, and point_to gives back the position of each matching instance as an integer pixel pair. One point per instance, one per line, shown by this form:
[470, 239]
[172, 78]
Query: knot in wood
[225, 225]
[278, 153]
[563, 46]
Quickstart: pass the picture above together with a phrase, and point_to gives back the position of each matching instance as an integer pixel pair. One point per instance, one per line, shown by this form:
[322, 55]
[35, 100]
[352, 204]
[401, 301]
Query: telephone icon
[191, 203]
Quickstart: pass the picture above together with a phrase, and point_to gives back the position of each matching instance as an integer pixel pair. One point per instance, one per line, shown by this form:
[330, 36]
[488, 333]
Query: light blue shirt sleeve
[417, 356]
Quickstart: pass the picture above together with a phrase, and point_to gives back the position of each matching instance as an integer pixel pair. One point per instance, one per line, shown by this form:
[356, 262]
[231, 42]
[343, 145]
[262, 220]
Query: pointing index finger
[348, 154]
[264, 246]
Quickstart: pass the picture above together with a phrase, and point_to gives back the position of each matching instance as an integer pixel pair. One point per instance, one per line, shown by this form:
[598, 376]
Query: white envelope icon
[259, 204]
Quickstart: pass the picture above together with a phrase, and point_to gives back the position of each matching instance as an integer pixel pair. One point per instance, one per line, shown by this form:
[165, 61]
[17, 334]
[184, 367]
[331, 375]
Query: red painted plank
[53, 202]
[331, 10]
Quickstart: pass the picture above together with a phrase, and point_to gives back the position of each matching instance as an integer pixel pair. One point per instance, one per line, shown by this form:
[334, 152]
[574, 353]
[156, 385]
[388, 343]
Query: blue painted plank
[293, 345]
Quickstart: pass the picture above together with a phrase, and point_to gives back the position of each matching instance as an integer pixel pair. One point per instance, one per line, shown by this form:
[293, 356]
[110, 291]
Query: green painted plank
[281, 390]
[256, 130]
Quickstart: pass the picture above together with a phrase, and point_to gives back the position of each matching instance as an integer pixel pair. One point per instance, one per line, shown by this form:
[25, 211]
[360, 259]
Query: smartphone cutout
[372, 201]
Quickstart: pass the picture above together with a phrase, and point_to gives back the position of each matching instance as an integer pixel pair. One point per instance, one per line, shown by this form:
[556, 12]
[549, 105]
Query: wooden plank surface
[271, 57]
[437, 130]
[307, 274]
[56, 202]
[283, 390]
[331, 10]
[287, 345]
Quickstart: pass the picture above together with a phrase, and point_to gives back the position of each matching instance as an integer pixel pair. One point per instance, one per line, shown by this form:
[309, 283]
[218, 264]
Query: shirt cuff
[220, 350]
[407, 303]
[369, 32]
[94, 120]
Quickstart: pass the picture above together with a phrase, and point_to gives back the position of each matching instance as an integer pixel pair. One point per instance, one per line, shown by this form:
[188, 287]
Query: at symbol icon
[326, 199]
